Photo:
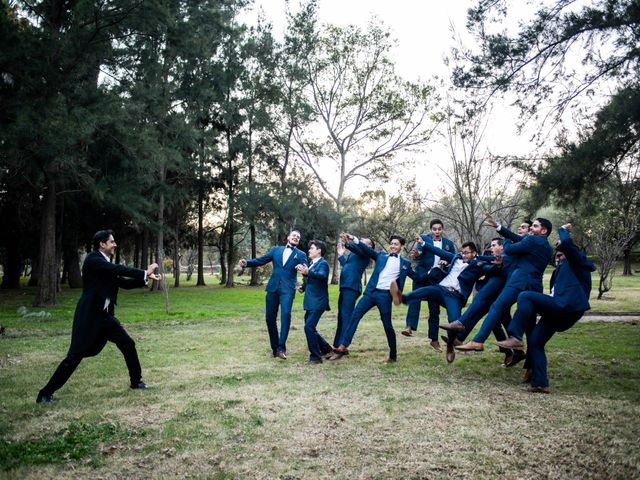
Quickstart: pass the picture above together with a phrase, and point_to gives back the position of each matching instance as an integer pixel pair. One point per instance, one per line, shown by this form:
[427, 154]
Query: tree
[475, 180]
[367, 113]
[536, 63]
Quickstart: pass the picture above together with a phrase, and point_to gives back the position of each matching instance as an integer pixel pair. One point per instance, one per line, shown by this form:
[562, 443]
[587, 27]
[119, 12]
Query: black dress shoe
[44, 398]
[140, 386]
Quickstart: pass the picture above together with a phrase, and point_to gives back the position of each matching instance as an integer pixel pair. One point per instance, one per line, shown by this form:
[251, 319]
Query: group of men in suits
[510, 275]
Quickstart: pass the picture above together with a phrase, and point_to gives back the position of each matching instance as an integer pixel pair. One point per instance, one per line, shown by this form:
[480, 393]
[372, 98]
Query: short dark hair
[101, 236]
[320, 245]
[471, 245]
[436, 221]
[373, 244]
[498, 239]
[399, 238]
[545, 224]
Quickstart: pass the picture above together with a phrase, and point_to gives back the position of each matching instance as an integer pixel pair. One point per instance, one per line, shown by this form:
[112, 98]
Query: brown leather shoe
[517, 357]
[391, 360]
[456, 342]
[436, 346]
[407, 331]
[396, 293]
[281, 355]
[455, 326]
[512, 343]
[471, 346]
[314, 362]
[526, 378]
[539, 390]
[451, 353]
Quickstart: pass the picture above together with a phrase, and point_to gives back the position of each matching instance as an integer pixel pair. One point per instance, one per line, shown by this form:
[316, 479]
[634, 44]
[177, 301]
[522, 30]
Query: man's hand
[414, 253]
[488, 219]
[150, 269]
[243, 263]
[568, 227]
[346, 237]
[302, 268]
[154, 276]
[340, 250]
[420, 240]
[498, 260]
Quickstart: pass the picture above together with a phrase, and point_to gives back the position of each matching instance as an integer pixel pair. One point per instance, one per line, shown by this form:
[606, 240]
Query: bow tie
[393, 255]
[290, 246]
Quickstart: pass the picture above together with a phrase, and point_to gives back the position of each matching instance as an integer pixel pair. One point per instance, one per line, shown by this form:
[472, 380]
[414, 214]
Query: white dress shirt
[451, 280]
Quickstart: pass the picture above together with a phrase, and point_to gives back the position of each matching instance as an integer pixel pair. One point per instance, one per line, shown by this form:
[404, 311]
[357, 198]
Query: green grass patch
[79, 441]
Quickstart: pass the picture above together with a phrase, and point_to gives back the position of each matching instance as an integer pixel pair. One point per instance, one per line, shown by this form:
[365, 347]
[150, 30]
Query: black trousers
[111, 331]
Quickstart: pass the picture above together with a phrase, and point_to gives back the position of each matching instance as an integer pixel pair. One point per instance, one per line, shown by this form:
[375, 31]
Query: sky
[423, 30]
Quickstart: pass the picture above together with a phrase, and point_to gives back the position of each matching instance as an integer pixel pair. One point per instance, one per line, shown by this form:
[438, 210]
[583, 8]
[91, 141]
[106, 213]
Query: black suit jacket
[101, 280]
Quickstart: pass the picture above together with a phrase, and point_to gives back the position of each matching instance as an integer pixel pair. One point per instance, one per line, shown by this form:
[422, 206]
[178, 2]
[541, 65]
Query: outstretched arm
[258, 262]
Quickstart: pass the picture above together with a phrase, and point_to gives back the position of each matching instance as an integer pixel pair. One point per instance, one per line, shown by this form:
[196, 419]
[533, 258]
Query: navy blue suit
[316, 302]
[570, 287]
[422, 268]
[485, 295]
[281, 290]
[374, 297]
[453, 301]
[530, 257]
[353, 265]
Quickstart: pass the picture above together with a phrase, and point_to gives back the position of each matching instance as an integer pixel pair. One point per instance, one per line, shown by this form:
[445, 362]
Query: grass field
[220, 407]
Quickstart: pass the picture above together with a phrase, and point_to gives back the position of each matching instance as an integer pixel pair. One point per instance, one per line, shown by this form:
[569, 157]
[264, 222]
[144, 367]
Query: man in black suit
[94, 322]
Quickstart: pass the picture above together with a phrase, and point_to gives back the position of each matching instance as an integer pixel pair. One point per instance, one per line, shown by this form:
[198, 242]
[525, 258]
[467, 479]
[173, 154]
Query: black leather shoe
[140, 386]
[44, 398]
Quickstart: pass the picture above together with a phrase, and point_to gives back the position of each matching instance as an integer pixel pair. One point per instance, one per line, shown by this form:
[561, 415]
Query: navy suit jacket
[282, 275]
[381, 261]
[571, 280]
[509, 235]
[352, 266]
[425, 260]
[468, 277]
[531, 256]
[315, 287]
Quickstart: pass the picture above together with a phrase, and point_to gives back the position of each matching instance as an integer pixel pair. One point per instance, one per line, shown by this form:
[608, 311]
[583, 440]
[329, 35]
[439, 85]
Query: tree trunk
[144, 256]
[12, 265]
[231, 209]
[157, 284]
[176, 250]
[200, 282]
[48, 274]
[254, 252]
[72, 266]
[35, 271]
[627, 262]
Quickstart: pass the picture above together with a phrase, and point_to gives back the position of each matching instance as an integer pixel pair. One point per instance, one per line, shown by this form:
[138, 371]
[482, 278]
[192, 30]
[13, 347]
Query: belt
[453, 290]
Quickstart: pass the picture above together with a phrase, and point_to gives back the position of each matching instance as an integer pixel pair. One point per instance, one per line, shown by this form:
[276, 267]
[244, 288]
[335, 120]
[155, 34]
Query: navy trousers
[318, 346]
[479, 307]
[346, 303]
[451, 301]
[413, 313]
[500, 307]
[553, 319]
[382, 300]
[282, 299]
